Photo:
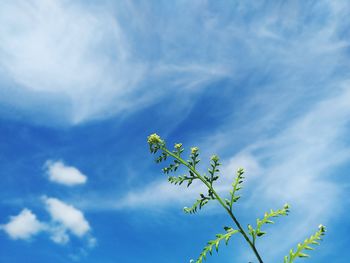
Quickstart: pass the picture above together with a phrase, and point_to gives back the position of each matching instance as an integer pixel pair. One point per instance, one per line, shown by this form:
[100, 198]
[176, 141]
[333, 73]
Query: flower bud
[240, 171]
[178, 146]
[215, 158]
[322, 228]
[154, 139]
[194, 150]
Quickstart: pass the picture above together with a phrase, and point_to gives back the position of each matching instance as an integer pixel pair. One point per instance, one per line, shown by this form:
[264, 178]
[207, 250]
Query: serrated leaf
[236, 186]
[259, 234]
[305, 246]
[216, 242]
[267, 220]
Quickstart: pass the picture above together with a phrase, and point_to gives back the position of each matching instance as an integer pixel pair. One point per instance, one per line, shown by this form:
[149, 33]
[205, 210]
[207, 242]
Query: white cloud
[59, 234]
[65, 220]
[58, 172]
[148, 197]
[64, 62]
[23, 226]
[92, 242]
[60, 52]
[68, 217]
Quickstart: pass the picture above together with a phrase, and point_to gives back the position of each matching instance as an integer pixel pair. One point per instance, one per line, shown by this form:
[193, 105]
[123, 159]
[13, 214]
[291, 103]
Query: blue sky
[264, 84]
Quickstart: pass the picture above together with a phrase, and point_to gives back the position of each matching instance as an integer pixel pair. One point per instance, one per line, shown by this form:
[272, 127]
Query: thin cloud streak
[79, 63]
[299, 165]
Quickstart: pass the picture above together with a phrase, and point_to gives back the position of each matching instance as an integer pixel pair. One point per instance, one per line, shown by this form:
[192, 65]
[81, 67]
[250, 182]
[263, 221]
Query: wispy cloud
[66, 62]
[60, 173]
[74, 63]
[310, 146]
[298, 166]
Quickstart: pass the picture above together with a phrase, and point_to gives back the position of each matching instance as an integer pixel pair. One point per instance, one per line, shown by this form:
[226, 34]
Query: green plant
[251, 234]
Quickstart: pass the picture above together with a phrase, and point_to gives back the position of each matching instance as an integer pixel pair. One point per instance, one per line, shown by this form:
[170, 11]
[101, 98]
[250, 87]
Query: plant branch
[218, 198]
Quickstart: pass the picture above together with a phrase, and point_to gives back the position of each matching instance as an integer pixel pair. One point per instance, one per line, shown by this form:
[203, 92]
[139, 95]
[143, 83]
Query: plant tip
[178, 146]
[194, 150]
[322, 228]
[154, 139]
[240, 171]
[215, 158]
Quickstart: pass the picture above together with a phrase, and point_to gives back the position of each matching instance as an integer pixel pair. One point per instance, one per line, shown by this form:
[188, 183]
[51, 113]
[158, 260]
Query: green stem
[219, 200]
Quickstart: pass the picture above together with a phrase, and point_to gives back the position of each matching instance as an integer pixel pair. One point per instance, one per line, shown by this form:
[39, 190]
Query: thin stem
[218, 198]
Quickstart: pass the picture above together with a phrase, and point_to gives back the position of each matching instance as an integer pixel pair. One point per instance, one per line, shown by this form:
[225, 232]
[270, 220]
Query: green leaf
[198, 204]
[236, 186]
[301, 247]
[213, 170]
[267, 220]
[216, 242]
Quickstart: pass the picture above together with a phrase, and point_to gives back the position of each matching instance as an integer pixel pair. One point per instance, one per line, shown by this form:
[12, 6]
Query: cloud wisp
[63, 62]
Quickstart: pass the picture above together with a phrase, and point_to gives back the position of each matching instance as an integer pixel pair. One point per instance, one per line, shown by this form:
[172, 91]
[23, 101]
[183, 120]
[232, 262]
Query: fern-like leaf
[215, 243]
[172, 167]
[162, 157]
[180, 179]
[266, 220]
[306, 245]
[194, 160]
[213, 170]
[236, 186]
[197, 205]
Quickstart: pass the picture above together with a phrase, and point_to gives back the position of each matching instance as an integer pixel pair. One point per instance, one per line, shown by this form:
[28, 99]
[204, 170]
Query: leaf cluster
[213, 176]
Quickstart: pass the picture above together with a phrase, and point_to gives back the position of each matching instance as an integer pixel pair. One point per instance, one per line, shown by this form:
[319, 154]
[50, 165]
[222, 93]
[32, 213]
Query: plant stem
[218, 198]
